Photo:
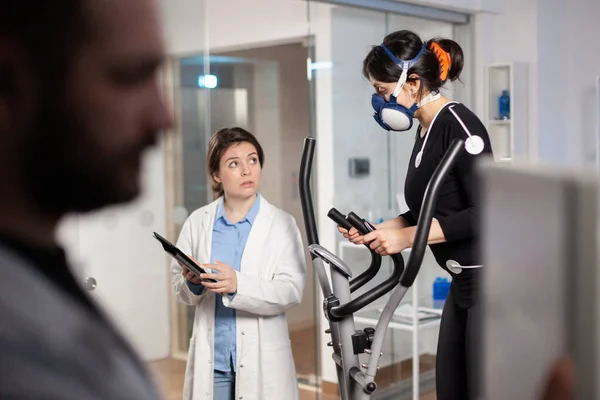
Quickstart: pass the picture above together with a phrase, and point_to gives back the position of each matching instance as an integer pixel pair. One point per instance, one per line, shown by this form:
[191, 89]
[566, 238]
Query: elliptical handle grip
[339, 219]
[373, 269]
[362, 226]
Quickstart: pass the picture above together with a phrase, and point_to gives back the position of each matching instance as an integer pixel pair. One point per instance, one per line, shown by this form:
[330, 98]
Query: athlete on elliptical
[407, 75]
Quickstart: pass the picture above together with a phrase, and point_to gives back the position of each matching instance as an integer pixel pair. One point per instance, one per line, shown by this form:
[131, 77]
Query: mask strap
[405, 65]
[401, 81]
[432, 96]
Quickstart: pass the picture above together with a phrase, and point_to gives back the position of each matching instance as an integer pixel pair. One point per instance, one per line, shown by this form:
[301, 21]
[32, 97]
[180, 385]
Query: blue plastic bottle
[504, 105]
[441, 287]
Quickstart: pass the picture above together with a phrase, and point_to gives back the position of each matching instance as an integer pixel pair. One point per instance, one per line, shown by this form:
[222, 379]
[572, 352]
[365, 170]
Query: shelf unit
[509, 137]
[370, 315]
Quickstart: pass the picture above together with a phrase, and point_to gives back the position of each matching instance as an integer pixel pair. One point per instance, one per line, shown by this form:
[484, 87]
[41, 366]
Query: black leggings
[457, 373]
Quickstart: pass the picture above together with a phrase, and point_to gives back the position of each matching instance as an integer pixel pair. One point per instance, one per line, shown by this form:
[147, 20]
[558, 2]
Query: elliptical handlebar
[305, 194]
[363, 227]
[338, 305]
[339, 219]
[406, 276]
[367, 298]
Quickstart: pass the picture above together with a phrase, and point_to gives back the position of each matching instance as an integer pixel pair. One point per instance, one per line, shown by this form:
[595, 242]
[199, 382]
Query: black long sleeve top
[457, 206]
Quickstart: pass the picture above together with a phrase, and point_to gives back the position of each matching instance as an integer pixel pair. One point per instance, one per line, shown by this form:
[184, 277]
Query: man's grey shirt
[53, 347]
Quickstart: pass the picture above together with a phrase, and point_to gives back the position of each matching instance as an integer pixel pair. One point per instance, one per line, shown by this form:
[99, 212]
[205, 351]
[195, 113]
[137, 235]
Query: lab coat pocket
[279, 372]
[189, 370]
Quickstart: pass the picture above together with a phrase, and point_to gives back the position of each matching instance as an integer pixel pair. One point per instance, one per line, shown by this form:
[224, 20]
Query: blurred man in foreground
[79, 105]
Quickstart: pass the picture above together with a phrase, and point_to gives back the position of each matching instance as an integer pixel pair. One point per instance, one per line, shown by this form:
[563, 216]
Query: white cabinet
[508, 136]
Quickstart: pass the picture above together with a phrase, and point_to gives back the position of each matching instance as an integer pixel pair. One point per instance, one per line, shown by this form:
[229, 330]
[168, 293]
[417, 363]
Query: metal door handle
[90, 283]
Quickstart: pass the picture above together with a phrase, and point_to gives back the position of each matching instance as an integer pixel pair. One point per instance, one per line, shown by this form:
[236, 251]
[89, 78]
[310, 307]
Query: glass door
[253, 75]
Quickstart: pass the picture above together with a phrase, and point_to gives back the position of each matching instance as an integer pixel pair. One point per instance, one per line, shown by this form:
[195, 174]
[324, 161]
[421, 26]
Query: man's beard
[66, 171]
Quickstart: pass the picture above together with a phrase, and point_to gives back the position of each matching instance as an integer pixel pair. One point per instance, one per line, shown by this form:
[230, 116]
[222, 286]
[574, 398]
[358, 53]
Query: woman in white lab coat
[240, 346]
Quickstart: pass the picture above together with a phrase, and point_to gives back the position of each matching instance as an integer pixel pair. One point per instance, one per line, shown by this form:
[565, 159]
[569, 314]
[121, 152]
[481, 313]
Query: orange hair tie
[443, 57]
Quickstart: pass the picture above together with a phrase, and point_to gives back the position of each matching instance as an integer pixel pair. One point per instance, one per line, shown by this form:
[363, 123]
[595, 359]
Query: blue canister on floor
[441, 287]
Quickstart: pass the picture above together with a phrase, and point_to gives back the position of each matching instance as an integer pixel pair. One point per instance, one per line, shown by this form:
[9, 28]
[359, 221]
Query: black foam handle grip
[339, 219]
[358, 223]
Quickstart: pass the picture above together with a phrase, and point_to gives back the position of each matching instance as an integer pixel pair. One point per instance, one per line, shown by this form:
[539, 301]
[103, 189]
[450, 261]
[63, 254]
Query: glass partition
[253, 75]
[342, 37]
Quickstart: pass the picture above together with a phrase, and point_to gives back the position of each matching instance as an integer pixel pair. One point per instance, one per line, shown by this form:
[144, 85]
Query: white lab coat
[271, 280]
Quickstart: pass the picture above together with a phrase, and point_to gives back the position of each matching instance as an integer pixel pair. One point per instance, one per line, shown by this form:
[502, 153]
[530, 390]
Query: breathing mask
[390, 115]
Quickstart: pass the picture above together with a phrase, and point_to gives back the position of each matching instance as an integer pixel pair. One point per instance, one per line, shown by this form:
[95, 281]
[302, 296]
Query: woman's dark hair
[406, 45]
[222, 140]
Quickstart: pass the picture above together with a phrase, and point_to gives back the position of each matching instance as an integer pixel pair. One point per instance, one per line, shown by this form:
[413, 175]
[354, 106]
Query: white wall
[556, 40]
[505, 37]
[568, 65]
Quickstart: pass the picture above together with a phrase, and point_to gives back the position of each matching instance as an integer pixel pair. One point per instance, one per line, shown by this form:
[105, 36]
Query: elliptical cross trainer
[356, 381]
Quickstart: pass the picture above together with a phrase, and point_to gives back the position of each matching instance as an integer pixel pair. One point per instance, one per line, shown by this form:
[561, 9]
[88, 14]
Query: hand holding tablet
[189, 275]
[183, 260]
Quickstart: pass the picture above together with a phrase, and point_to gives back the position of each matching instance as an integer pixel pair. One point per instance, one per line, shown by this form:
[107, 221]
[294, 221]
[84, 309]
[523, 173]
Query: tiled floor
[170, 374]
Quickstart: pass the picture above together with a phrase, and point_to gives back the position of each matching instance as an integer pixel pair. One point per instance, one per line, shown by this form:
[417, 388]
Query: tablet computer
[180, 256]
